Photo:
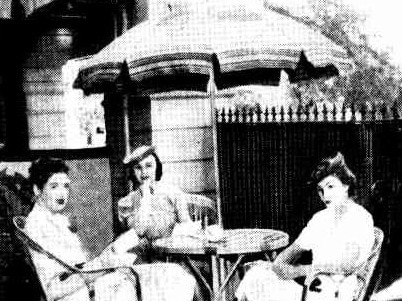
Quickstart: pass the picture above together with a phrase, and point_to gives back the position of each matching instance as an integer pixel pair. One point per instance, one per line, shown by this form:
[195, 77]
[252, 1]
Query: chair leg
[304, 293]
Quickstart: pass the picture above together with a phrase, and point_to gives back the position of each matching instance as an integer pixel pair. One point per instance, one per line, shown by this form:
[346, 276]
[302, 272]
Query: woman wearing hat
[339, 237]
[153, 208]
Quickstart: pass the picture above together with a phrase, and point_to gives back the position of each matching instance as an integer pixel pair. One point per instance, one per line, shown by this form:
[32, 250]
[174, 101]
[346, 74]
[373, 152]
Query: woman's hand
[122, 259]
[284, 265]
[214, 233]
[146, 188]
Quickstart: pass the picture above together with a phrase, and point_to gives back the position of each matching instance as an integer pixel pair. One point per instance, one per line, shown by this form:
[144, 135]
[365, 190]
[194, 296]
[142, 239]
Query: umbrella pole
[126, 127]
[212, 91]
[126, 124]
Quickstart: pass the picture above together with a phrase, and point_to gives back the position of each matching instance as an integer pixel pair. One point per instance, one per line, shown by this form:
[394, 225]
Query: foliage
[16, 192]
[373, 81]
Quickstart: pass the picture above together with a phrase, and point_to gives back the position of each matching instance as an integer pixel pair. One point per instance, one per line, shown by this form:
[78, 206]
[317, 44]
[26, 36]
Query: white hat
[138, 154]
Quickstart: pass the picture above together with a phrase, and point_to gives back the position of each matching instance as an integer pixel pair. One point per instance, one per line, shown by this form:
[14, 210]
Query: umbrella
[249, 44]
[221, 43]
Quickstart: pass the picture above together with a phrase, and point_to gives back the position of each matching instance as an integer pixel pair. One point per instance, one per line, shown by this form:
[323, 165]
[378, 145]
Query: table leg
[215, 277]
[230, 274]
[222, 276]
[198, 274]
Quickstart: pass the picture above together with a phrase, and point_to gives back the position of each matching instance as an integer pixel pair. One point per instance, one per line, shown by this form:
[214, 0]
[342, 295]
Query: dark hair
[336, 166]
[158, 171]
[43, 168]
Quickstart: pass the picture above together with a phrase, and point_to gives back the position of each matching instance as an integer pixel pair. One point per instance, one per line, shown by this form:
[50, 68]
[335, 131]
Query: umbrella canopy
[242, 43]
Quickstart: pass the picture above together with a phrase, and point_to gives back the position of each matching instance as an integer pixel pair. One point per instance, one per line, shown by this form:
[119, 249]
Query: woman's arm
[283, 265]
[64, 285]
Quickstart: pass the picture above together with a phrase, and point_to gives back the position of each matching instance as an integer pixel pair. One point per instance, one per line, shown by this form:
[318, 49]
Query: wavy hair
[336, 166]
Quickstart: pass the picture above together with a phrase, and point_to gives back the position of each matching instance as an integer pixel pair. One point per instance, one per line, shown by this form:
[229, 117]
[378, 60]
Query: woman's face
[332, 191]
[145, 170]
[56, 191]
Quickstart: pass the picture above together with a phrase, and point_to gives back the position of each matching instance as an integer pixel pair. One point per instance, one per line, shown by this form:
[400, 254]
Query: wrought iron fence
[266, 157]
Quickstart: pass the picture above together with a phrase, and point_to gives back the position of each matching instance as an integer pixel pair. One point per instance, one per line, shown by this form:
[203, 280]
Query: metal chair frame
[29, 244]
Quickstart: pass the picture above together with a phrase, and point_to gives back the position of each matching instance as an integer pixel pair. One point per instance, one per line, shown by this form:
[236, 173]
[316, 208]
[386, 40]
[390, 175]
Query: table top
[235, 241]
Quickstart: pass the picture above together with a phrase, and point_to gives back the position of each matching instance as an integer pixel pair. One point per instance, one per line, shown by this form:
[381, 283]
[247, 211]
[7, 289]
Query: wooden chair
[29, 244]
[202, 208]
[365, 278]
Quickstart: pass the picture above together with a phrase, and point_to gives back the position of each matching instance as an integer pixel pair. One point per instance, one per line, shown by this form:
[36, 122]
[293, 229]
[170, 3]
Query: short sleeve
[179, 202]
[309, 234]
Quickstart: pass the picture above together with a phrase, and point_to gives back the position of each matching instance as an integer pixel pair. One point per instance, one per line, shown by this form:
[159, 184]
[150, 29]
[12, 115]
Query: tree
[374, 81]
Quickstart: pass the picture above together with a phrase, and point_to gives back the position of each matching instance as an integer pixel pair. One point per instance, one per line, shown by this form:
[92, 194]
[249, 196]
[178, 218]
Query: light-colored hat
[138, 154]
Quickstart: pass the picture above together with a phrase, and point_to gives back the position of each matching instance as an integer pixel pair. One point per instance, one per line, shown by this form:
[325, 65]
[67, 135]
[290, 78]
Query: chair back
[28, 243]
[202, 208]
[366, 281]
[365, 274]
[19, 224]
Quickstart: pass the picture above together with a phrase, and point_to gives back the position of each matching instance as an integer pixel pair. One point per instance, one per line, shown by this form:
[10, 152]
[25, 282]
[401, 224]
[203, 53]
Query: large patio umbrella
[224, 43]
[250, 43]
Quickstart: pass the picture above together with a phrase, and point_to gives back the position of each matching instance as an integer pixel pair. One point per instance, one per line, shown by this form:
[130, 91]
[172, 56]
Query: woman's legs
[117, 286]
[261, 284]
[165, 282]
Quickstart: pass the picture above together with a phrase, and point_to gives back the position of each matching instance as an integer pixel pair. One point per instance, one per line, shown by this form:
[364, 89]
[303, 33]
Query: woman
[49, 226]
[339, 237]
[154, 209]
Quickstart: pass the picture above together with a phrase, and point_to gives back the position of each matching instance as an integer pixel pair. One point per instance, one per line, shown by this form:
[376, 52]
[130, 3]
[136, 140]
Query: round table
[235, 242]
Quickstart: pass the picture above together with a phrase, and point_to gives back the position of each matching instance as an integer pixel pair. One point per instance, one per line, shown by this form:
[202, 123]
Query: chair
[366, 281]
[202, 208]
[29, 244]
[365, 275]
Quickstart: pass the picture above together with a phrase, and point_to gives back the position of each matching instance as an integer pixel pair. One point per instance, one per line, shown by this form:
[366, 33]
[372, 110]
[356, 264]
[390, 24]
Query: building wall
[43, 87]
[181, 131]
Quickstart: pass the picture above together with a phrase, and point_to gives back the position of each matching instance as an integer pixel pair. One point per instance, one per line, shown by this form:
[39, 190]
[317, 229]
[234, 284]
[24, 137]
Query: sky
[383, 24]
[383, 21]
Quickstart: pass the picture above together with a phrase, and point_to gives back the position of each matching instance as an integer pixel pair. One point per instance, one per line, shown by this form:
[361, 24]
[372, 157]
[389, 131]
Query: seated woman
[49, 226]
[154, 209]
[339, 237]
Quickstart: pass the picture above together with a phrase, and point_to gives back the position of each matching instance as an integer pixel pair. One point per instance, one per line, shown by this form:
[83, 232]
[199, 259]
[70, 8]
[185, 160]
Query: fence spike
[315, 112]
[216, 114]
[230, 116]
[353, 108]
[259, 113]
[343, 118]
[273, 113]
[244, 114]
[307, 112]
[325, 112]
[374, 111]
[237, 115]
[290, 113]
[384, 112]
[266, 114]
[299, 112]
[223, 115]
[282, 113]
[394, 109]
[363, 111]
[334, 112]
[251, 114]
